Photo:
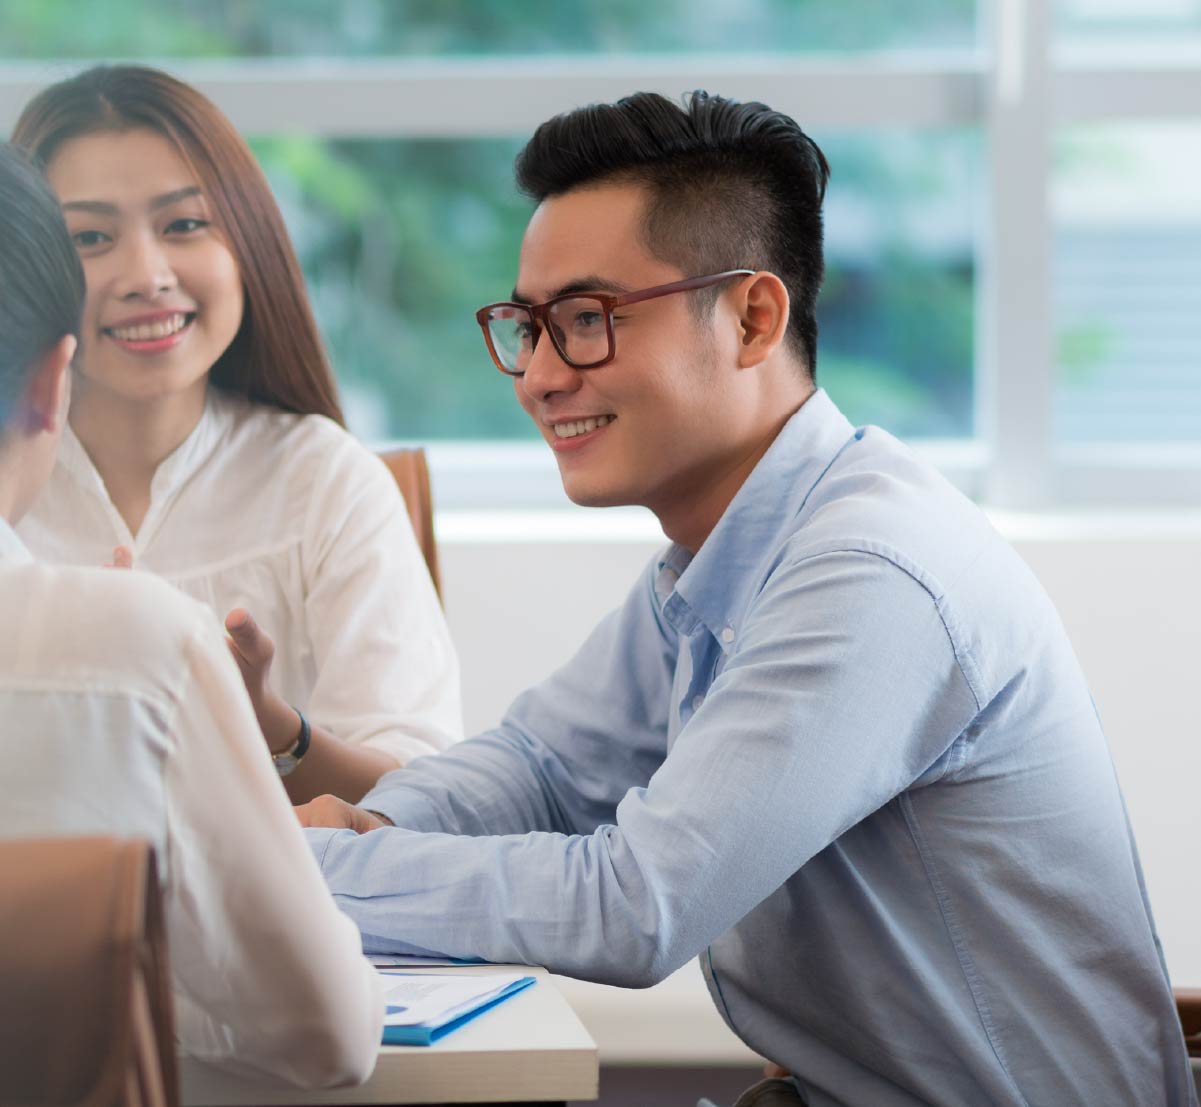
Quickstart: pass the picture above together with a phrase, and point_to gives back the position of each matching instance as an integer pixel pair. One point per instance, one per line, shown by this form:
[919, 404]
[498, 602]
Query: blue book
[398, 1030]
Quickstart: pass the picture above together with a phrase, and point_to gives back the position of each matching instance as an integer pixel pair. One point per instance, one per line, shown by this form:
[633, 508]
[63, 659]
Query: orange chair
[85, 994]
[412, 476]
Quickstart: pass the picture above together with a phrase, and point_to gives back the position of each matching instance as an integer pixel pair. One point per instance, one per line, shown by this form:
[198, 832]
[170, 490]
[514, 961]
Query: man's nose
[546, 372]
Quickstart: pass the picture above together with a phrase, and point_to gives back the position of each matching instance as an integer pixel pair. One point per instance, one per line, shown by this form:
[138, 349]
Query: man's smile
[573, 428]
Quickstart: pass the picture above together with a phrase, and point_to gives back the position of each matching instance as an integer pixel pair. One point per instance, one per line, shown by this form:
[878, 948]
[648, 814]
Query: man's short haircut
[732, 186]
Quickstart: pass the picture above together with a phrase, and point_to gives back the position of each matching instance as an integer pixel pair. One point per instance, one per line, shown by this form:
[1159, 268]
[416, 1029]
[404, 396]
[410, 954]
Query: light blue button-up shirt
[845, 755]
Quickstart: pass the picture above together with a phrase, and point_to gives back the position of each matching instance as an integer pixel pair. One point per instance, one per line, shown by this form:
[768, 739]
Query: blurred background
[388, 129]
[1014, 254]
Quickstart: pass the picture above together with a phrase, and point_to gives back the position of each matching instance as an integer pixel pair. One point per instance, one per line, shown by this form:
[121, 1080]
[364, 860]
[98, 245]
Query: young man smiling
[835, 742]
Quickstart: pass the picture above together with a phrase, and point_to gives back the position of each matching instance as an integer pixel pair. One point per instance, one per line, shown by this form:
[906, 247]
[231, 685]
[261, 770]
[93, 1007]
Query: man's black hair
[41, 279]
[732, 186]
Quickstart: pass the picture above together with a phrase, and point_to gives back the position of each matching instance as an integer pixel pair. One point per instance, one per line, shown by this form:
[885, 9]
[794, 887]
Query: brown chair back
[1188, 1006]
[85, 997]
[412, 476]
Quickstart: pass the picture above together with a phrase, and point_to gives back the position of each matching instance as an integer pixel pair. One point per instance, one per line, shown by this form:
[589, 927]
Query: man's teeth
[582, 426]
[146, 332]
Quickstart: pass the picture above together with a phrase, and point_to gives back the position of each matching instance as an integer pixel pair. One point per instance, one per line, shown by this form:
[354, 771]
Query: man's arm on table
[568, 749]
[842, 690]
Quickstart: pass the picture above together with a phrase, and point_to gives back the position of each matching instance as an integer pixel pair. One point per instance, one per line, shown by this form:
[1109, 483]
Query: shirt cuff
[406, 807]
[319, 838]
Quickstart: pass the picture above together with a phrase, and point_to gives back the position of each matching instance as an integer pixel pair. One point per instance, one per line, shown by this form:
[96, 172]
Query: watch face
[285, 763]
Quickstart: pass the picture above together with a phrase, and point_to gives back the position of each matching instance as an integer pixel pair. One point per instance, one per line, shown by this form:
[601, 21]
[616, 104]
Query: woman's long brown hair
[277, 356]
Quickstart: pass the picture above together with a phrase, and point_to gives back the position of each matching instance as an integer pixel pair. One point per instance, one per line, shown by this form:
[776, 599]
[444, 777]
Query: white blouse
[291, 518]
[122, 712]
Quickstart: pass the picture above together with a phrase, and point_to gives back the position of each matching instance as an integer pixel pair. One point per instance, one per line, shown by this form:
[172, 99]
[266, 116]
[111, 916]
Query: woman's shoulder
[120, 628]
[285, 435]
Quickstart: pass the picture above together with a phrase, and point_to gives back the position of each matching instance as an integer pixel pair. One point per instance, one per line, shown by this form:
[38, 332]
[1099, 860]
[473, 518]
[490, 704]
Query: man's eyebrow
[582, 284]
[103, 207]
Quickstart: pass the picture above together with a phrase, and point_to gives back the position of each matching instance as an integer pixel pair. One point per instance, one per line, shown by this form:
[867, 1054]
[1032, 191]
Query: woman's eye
[85, 239]
[587, 320]
[186, 225]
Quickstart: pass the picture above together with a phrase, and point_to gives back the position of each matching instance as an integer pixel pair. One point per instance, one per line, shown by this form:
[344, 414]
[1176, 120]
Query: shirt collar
[717, 584]
[12, 549]
[175, 469]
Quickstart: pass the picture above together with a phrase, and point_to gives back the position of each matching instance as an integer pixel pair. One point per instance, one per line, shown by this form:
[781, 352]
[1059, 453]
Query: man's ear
[48, 391]
[762, 304]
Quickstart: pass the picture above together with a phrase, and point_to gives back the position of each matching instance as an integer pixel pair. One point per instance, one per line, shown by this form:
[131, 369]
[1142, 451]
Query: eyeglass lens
[577, 327]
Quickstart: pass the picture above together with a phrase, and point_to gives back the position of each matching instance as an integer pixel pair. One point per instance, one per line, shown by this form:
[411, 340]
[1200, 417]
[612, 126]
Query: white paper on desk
[432, 999]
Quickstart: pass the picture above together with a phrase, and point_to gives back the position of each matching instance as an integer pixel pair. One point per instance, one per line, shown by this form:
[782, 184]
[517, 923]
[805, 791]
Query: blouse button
[727, 635]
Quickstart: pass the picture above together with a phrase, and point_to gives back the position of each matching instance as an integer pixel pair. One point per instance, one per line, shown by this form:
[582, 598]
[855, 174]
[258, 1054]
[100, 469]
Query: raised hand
[254, 651]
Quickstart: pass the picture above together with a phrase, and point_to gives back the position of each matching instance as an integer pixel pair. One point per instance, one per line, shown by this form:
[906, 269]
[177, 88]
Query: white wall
[522, 594]
[1132, 606]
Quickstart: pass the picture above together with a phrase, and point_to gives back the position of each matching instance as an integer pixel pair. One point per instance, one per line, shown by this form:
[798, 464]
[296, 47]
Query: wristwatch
[287, 761]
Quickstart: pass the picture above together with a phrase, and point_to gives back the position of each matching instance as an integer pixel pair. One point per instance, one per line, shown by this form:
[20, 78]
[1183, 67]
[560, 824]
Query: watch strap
[286, 761]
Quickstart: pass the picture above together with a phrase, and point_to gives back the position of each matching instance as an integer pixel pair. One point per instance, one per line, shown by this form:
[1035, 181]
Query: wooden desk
[529, 1049]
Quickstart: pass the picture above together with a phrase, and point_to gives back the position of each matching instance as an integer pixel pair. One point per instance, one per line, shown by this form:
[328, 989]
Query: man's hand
[332, 812]
[254, 651]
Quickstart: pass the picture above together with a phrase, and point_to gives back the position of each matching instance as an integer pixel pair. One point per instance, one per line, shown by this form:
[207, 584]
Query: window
[446, 28]
[401, 240]
[1011, 236]
[1127, 267]
[1126, 23]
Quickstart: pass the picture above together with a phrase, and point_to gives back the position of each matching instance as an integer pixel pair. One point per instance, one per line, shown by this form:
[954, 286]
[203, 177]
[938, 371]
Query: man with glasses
[835, 742]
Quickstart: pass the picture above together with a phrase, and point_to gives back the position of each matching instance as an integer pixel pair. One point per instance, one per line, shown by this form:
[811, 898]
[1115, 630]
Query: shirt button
[727, 635]
[696, 702]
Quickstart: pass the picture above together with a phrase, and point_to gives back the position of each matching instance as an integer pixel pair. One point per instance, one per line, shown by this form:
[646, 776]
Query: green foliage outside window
[102, 29]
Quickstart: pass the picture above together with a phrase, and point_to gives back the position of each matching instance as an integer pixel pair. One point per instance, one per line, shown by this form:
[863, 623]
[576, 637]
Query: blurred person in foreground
[122, 712]
[835, 742]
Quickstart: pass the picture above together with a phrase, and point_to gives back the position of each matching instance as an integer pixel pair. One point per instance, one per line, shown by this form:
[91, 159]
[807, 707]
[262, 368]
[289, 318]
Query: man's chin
[596, 493]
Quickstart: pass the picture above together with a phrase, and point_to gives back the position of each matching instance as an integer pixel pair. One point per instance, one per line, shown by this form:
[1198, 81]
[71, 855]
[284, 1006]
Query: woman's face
[164, 295]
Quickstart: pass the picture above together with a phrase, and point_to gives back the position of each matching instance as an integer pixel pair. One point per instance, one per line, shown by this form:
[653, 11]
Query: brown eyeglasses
[580, 325]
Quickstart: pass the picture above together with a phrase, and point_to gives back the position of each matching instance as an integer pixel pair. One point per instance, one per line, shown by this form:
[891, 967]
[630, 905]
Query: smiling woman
[164, 289]
[205, 434]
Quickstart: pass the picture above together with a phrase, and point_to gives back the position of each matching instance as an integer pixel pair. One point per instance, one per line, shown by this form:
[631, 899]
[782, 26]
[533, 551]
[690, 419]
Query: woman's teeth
[582, 426]
[147, 332]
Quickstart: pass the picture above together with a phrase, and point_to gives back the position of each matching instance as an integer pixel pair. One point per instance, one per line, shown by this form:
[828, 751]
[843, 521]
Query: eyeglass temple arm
[676, 286]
